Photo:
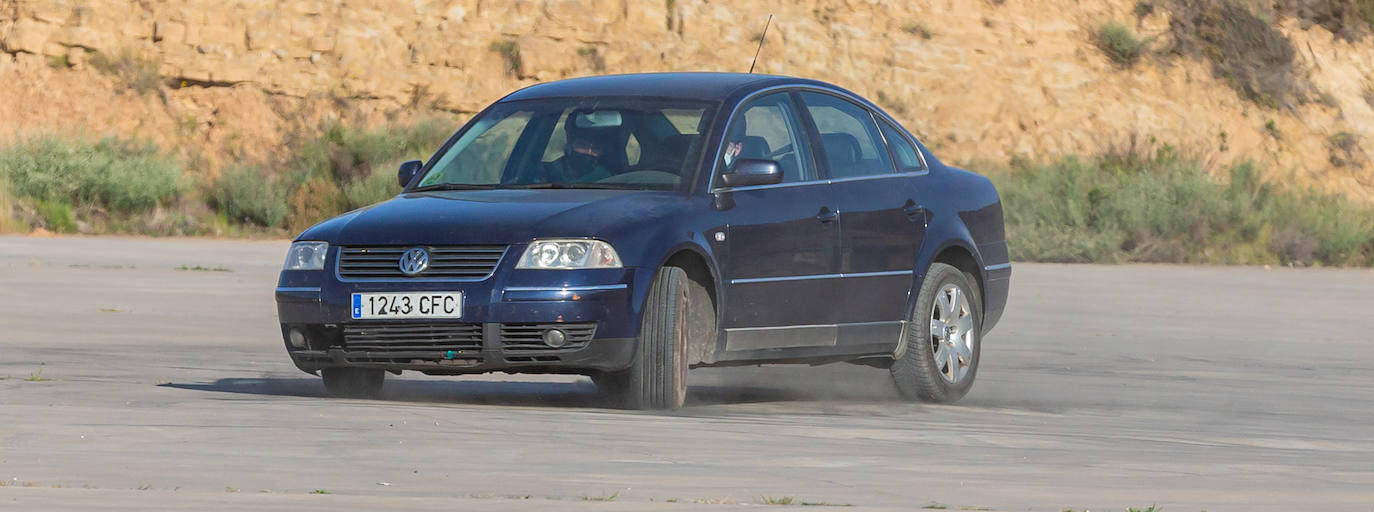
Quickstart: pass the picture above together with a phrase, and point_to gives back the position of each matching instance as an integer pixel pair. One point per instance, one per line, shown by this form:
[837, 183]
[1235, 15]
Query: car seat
[843, 154]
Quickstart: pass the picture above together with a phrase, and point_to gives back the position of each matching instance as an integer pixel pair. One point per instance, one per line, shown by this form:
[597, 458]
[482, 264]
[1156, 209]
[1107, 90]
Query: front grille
[452, 262]
[531, 336]
[412, 337]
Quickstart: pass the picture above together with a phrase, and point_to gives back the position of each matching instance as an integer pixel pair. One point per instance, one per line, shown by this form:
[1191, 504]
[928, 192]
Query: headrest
[841, 149]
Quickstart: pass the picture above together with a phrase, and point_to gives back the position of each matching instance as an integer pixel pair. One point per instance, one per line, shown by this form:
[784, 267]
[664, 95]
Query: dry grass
[131, 70]
[7, 222]
[1245, 49]
[592, 56]
[1347, 150]
[509, 51]
[1351, 20]
[918, 29]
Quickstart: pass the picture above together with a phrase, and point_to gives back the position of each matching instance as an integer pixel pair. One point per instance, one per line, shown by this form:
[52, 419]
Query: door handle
[913, 211]
[827, 215]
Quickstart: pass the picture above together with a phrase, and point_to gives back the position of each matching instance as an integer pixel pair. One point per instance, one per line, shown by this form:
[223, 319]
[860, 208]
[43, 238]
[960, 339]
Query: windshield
[633, 143]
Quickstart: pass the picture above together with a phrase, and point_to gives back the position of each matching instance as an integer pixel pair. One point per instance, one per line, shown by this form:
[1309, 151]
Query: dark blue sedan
[631, 227]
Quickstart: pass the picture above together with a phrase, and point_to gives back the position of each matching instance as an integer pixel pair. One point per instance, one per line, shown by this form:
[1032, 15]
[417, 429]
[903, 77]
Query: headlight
[568, 254]
[306, 256]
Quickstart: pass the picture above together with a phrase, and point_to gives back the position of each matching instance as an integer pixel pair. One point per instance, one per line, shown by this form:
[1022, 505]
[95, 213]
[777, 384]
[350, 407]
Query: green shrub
[115, 174]
[57, 216]
[1162, 206]
[1119, 43]
[379, 186]
[245, 194]
[347, 167]
[344, 153]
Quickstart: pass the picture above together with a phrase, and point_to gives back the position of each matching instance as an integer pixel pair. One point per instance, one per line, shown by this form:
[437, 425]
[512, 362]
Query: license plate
[408, 305]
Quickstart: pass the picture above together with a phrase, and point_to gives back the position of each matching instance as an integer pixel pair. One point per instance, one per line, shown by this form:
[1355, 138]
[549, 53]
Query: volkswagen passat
[631, 227]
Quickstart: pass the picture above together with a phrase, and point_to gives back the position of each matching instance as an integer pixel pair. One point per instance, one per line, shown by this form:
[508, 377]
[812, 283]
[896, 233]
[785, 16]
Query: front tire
[353, 382]
[944, 338]
[657, 377]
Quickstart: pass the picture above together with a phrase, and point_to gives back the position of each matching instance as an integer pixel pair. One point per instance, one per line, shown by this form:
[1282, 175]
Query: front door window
[768, 129]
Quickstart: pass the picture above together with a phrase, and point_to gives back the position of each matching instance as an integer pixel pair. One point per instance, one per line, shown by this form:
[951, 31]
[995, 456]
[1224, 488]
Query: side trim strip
[749, 280]
[621, 286]
[784, 278]
[783, 327]
[998, 267]
[298, 289]
[879, 274]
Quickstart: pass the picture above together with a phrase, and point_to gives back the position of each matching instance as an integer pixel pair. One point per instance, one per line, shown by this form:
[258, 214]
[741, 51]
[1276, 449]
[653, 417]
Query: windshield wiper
[452, 186]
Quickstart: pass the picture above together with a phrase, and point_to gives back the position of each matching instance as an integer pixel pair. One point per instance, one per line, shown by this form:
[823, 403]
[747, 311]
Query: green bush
[245, 194]
[1164, 207]
[57, 216]
[1119, 43]
[359, 165]
[379, 186]
[115, 174]
[344, 153]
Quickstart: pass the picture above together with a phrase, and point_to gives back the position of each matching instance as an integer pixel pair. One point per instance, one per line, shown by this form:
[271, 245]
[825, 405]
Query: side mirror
[408, 172]
[750, 171]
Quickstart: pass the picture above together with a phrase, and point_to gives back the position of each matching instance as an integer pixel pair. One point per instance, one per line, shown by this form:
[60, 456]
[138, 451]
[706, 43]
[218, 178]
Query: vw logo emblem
[414, 261]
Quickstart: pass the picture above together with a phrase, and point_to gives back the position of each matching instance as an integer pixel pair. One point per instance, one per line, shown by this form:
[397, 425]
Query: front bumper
[502, 315]
[600, 354]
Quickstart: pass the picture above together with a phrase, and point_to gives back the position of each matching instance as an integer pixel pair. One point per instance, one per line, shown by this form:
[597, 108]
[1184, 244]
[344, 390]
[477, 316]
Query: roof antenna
[762, 38]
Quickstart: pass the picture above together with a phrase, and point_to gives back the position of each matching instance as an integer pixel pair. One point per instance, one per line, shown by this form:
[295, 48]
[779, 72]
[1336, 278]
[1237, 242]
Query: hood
[494, 216]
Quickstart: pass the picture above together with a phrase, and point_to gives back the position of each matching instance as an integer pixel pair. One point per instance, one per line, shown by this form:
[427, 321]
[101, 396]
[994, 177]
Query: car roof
[700, 86]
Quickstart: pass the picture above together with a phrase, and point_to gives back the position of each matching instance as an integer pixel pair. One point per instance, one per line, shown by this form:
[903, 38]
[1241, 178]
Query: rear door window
[849, 137]
[902, 149]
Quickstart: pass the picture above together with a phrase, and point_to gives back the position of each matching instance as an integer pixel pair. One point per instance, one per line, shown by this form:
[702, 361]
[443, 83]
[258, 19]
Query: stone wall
[979, 81]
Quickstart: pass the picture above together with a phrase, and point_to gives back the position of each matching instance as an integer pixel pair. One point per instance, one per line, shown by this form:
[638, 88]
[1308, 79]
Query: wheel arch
[961, 257]
[704, 323]
[959, 253]
[698, 267]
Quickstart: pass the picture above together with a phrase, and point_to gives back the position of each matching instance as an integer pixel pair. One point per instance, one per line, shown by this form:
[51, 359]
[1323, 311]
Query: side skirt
[810, 344]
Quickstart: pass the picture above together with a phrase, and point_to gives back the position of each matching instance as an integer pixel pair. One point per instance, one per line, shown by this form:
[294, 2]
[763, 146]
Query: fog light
[555, 338]
[297, 338]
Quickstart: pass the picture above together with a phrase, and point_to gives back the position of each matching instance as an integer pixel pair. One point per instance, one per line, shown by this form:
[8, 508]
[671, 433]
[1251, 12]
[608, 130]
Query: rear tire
[657, 377]
[943, 338]
[353, 382]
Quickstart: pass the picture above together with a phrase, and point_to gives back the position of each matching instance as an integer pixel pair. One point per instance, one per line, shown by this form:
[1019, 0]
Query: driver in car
[583, 155]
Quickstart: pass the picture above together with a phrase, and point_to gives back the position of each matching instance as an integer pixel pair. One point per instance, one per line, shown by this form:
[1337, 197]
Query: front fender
[652, 249]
